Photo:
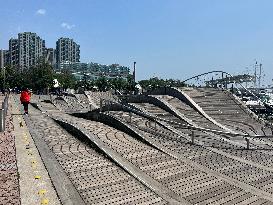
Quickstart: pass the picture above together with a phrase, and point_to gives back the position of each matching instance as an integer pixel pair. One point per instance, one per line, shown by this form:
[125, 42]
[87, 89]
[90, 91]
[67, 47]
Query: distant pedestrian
[25, 99]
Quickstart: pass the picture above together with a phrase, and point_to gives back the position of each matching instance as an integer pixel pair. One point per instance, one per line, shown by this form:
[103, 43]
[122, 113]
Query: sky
[166, 38]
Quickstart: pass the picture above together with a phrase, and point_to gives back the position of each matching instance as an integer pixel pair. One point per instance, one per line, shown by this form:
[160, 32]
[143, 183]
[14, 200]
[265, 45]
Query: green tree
[10, 76]
[155, 82]
[102, 84]
[118, 84]
[39, 77]
[66, 79]
[130, 83]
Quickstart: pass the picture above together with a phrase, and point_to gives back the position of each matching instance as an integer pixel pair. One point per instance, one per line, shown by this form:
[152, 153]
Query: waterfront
[174, 151]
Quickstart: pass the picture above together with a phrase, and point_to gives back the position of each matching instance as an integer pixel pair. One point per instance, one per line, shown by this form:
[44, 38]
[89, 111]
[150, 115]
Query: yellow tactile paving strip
[35, 184]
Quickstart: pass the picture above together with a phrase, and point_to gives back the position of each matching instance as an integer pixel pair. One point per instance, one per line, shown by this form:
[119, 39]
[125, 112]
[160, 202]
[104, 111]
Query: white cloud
[41, 12]
[67, 26]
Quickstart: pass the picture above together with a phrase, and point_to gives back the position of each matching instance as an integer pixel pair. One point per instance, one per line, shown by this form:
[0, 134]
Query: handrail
[245, 137]
[266, 105]
[218, 71]
[3, 113]
[186, 125]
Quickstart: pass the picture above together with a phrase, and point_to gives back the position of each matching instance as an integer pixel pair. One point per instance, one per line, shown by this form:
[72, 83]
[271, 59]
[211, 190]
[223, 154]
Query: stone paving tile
[98, 180]
[226, 110]
[195, 187]
[127, 146]
[206, 158]
[9, 183]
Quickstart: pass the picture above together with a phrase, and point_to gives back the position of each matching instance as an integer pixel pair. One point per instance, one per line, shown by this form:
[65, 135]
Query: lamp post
[134, 77]
[134, 72]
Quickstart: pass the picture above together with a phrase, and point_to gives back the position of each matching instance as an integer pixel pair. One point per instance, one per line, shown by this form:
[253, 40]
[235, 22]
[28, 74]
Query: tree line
[37, 77]
[155, 82]
[40, 77]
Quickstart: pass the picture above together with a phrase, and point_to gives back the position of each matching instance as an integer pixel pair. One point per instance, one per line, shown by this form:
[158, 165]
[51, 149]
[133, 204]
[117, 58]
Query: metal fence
[3, 113]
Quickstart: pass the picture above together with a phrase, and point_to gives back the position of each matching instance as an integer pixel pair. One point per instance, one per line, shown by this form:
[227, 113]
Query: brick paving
[9, 179]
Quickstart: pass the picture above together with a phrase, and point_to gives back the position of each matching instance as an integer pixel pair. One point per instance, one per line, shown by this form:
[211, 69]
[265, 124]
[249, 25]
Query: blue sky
[167, 38]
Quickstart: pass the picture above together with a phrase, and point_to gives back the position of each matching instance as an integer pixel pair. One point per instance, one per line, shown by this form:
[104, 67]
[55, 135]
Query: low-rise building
[94, 71]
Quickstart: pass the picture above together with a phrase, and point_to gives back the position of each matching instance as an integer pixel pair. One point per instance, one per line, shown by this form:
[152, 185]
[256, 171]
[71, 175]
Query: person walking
[25, 99]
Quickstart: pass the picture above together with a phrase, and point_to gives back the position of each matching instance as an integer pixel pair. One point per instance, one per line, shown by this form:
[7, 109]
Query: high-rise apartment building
[4, 58]
[31, 49]
[50, 56]
[13, 52]
[67, 51]
[26, 50]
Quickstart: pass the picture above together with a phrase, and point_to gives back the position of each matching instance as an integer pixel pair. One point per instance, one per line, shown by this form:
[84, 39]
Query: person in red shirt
[25, 99]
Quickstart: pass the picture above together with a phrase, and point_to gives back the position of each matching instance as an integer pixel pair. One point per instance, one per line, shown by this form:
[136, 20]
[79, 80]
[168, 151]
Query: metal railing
[228, 75]
[239, 86]
[3, 113]
[155, 119]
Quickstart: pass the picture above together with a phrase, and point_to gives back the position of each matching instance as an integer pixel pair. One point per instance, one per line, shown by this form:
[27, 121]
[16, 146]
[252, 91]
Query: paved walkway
[23, 177]
[9, 183]
[84, 160]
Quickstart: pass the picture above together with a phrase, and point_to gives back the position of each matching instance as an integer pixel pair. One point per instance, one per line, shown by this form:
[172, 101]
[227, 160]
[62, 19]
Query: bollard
[247, 143]
[100, 105]
[5, 106]
[130, 119]
[2, 120]
[108, 106]
[192, 137]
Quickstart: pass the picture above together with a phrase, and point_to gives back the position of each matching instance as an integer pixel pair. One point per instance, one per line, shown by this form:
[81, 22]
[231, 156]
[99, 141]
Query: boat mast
[260, 75]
